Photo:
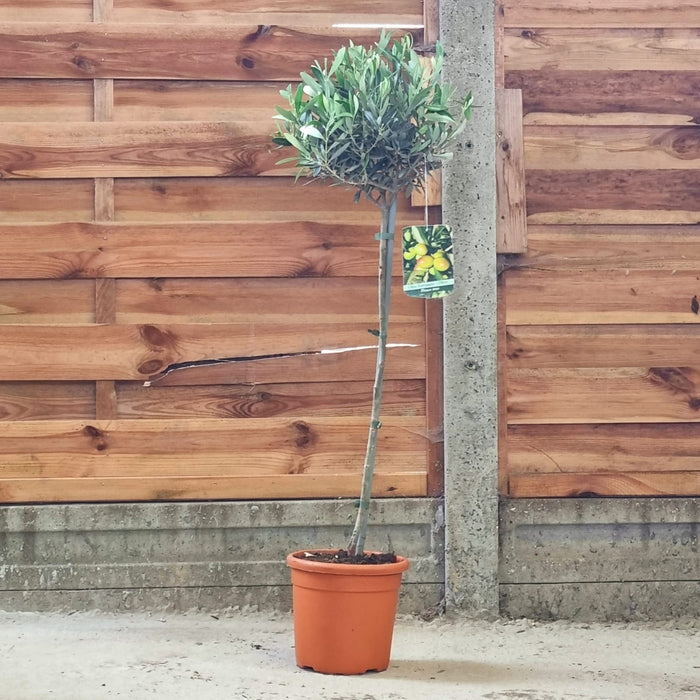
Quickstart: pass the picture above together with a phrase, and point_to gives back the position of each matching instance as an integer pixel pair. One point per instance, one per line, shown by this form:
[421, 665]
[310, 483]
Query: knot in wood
[304, 434]
[85, 64]
[157, 338]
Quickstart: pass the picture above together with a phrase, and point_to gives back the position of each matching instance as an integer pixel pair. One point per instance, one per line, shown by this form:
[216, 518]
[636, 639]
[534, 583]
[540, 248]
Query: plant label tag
[428, 261]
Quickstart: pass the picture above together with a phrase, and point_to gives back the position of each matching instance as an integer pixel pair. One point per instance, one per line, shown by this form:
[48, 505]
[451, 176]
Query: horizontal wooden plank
[602, 297]
[600, 13]
[261, 462]
[246, 199]
[46, 400]
[30, 302]
[577, 48]
[286, 12]
[314, 12]
[603, 447]
[45, 100]
[355, 365]
[196, 249]
[63, 441]
[320, 394]
[138, 149]
[178, 200]
[49, 200]
[612, 197]
[46, 10]
[612, 148]
[81, 352]
[633, 97]
[620, 248]
[600, 346]
[662, 394]
[194, 100]
[617, 484]
[182, 51]
[288, 302]
[207, 488]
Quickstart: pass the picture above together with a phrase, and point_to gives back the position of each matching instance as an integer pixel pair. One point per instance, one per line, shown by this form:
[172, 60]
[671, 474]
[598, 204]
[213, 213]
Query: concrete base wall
[205, 556]
[600, 559]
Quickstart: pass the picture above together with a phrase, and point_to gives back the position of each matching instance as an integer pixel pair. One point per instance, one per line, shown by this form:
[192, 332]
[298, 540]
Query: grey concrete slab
[204, 556]
[600, 558]
[603, 602]
[599, 539]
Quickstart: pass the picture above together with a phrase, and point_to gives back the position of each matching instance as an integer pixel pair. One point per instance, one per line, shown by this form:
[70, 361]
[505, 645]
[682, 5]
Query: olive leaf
[376, 119]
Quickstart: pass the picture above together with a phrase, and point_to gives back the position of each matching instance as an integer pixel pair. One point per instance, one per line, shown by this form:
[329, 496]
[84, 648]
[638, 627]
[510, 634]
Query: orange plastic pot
[344, 614]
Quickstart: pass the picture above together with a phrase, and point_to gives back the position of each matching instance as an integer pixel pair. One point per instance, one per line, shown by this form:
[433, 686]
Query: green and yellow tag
[428, 261]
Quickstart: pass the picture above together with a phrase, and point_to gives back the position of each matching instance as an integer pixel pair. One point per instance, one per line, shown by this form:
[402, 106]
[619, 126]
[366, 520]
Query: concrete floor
[251, 656]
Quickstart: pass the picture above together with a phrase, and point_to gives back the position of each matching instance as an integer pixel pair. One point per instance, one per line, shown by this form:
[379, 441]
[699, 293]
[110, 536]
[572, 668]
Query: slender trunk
[386, 256]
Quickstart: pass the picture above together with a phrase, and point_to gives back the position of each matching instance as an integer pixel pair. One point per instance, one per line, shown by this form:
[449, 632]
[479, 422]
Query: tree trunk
[386, 257]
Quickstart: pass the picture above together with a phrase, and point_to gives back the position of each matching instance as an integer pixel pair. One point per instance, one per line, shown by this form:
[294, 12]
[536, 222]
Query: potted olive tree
[377, 120]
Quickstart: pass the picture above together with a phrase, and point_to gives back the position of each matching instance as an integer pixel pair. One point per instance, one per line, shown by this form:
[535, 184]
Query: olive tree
[378, 120]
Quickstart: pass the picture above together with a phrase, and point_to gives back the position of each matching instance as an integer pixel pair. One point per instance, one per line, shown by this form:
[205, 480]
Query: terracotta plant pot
[344, 614]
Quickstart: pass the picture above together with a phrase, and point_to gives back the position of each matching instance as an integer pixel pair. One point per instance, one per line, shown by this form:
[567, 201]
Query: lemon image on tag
[428, 261]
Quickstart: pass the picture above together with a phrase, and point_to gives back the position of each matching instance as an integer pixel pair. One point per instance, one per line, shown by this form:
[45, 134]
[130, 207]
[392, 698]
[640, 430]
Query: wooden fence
[146, 227]
[601, 336]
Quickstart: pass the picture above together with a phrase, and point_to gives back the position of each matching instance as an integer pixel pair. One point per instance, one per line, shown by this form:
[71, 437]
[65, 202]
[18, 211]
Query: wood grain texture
[502, 383]
[356, 365]
[622, 248]
[665, 345]
[45, 100]
[627, 484]
[137, 233]
[612, 197]
[198, 249]
[647, 447]
[432, 192]
[511, 229]
[286, 12]
[137, 149]
[172, 51]
[246, 199]
[600, 13]
[29, 302]
[593, 297]
[600, 376]
[46, 10]
[601, 49]
[102, 10]
[45, 401]
[195, 100]
[174, 488]
[656, 394]
[317, 394]
[289, 303]
[280, 437]
[161, 452]
[54, 200]
[79, 352]
[612, 148]
[431, 21]
[633, 97]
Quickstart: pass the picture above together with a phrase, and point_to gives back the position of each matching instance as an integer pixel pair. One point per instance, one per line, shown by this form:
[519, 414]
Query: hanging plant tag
[428, 261]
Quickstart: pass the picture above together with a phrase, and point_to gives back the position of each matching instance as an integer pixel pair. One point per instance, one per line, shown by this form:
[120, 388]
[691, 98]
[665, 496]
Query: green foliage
[375, 119]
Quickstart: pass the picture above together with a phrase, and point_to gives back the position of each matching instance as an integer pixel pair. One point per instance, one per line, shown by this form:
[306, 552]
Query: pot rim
[293, 562]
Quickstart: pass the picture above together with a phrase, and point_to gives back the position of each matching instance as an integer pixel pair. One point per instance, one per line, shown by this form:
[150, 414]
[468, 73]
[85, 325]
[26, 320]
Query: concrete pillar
[471, 431]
